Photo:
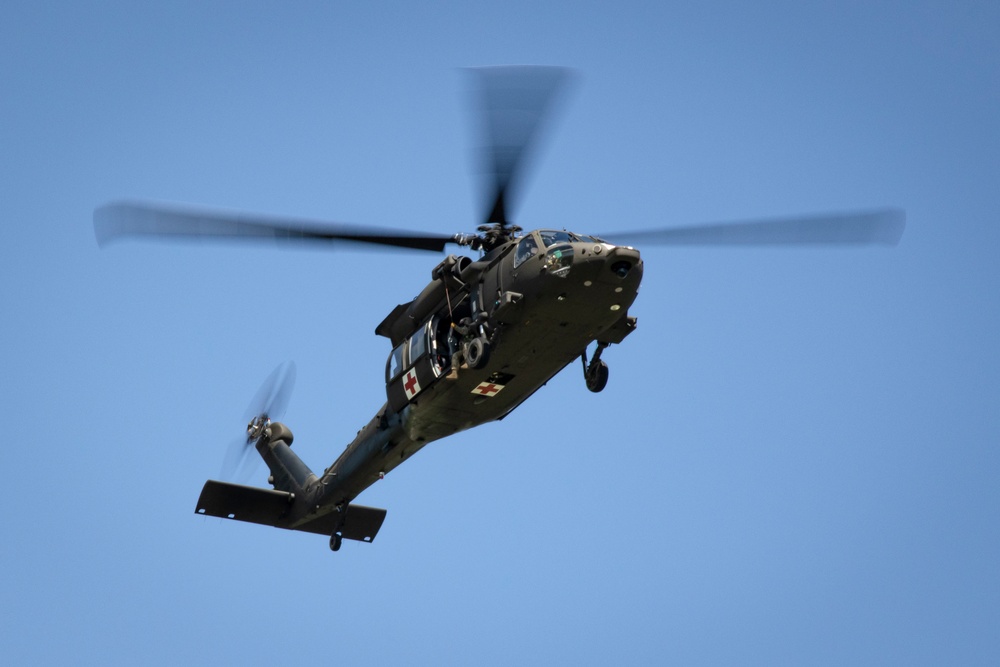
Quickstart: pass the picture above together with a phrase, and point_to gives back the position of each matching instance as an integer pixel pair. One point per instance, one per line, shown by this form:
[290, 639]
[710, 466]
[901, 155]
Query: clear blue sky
[796, 460]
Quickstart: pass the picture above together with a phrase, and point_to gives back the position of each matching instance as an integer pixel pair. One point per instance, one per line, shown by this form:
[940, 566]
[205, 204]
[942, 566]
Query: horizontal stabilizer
[362, 523]
[269, 507]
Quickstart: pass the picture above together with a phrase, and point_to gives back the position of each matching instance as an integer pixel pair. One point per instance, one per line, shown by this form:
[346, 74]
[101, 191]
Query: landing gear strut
[596, 371]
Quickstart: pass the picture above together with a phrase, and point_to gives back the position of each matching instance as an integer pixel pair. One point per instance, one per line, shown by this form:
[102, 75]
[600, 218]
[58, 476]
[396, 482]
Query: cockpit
[528, 247]
[550, 237]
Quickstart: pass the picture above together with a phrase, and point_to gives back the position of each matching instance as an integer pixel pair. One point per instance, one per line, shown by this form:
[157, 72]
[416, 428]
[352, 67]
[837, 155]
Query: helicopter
[482, 336]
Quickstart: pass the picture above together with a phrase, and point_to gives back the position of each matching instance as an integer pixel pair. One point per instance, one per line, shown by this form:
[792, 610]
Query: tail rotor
[268, 405]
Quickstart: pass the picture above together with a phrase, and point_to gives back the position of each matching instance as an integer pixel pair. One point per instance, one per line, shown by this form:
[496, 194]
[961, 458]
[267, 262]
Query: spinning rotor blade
[515, 101]
[271, 399]
[883, 226]
[269, 403]
[132, 219]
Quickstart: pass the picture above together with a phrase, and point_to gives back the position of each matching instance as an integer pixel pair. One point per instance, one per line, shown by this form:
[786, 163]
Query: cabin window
[526, 249]
[395, 364]
[418, 345]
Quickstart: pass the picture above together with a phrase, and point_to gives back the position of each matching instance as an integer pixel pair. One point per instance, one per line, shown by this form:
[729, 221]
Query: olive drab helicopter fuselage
[481, 338]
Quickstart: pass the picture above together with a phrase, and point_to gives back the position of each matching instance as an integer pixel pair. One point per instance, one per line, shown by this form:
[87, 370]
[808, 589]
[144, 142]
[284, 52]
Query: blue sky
[796, 458]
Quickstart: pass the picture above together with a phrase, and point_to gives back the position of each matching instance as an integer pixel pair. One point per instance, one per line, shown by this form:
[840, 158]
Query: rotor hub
[495, 235]
[257, 427]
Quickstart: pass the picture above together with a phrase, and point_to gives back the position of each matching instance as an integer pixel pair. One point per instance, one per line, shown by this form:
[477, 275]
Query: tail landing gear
[337, 537]
[596, 371]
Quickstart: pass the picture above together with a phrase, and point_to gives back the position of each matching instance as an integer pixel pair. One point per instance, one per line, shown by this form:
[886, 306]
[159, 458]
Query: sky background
[796, 460]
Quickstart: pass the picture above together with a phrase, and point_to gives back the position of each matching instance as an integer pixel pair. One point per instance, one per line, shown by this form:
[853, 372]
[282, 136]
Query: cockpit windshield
[551, 237]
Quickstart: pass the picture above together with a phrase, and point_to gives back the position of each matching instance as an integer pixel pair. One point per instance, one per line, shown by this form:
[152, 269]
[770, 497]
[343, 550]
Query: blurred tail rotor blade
[147, 219]
[515, 101]
[238, 465]
[883, 226]
[268, 404]
[272, 398]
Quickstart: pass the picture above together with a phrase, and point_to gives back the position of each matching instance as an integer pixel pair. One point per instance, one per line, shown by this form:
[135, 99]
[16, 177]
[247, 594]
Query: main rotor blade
[515, 101]
[883, 226]
[141, 219]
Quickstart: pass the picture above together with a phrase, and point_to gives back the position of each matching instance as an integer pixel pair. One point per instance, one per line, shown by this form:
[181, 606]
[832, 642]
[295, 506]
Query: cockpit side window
[526, 249]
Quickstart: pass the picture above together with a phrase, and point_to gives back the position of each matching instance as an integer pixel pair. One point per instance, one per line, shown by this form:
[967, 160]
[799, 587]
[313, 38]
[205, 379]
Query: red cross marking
[488, 389]
[410, 385]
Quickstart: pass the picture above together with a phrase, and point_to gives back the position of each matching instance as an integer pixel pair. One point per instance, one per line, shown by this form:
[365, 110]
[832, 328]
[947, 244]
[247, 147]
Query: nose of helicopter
[606, 284]
[606, 276]
[606, 263]
[596, 276]
[621, 260]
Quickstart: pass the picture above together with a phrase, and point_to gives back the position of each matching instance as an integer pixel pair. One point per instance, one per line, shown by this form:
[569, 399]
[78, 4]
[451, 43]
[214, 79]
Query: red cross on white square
[410, 384]
[487, 389]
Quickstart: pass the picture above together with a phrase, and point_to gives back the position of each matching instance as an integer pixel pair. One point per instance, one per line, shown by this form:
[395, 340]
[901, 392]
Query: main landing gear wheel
[336, 540]
[597, 376]
[477, 352]
[595, 372]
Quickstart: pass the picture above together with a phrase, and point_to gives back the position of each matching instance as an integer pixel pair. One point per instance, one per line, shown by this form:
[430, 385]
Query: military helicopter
[482, 336]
